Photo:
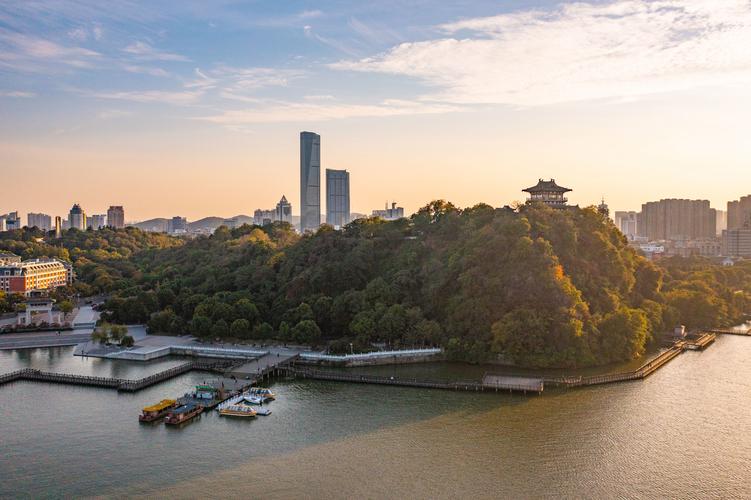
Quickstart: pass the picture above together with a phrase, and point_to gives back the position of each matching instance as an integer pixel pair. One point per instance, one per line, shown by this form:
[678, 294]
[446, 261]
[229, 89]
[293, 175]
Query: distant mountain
[158, 225]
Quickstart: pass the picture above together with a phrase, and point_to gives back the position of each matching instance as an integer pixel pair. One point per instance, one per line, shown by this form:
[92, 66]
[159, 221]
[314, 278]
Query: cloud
[177, 98]
[17, 93]
[113, 113]
[30, 53]
[578, 51]
[144, 51]
[145, 70]
[282, 111]
[78, 34]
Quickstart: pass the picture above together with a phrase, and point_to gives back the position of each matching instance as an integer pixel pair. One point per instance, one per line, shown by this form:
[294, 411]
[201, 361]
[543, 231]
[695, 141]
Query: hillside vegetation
[537, 287]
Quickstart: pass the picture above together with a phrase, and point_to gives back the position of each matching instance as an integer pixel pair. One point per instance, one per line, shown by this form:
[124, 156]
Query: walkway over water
[109, 382]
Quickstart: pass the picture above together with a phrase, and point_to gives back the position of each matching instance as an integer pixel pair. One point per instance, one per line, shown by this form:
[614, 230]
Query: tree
[220, 329]
[200, 326]
[240, 328]
[66, 307]
[127, 341]
[306, 332]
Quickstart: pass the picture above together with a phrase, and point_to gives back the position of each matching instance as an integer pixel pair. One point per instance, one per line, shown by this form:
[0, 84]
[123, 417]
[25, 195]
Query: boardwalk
[119, 384]
[340, 376]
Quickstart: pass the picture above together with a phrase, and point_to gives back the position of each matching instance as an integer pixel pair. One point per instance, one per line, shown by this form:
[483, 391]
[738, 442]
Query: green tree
[306, 332]
[240, 328]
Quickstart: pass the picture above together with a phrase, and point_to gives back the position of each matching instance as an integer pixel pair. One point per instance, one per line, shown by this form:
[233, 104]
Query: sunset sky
[185, 108]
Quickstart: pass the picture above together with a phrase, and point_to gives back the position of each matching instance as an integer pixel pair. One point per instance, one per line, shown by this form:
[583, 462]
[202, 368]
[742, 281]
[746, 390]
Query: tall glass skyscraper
[310, 181]
[337, 197]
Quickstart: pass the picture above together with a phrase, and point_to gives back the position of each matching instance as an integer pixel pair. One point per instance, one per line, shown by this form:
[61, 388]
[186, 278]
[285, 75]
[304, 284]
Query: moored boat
[262, 392]
[263, 412]
[237, 411]
[157, 411]
[183, 414]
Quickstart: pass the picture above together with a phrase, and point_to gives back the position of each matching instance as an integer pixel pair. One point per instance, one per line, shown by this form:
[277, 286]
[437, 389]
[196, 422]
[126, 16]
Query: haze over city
[196, 111]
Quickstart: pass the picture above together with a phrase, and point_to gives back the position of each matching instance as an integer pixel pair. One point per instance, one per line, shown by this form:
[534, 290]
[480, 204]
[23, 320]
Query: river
[685, 432]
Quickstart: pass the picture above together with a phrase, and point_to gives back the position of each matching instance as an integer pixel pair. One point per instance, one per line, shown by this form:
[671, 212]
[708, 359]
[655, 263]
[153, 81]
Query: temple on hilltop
[549, 193]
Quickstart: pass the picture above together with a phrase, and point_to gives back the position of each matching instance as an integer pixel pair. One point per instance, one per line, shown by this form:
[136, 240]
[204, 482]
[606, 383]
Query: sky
[194, 108]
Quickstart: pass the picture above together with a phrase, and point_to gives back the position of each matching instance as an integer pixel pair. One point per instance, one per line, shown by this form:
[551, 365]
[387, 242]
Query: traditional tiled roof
[546, 187]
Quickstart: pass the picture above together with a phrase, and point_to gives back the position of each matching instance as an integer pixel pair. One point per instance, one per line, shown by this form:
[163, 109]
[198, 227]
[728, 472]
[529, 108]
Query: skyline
[141, 106]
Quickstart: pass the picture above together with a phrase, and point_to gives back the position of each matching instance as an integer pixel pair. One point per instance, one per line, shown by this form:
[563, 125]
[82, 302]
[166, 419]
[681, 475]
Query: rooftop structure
[549, 193]
[392, 213]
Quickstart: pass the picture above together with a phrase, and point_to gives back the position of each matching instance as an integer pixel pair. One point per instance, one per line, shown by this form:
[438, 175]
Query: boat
[262, 392]
[253, 400]
[263, 411]
[237, 411]
[157, 411]
[183, 414]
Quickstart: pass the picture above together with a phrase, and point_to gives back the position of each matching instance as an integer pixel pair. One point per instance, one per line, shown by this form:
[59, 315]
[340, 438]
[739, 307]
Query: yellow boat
[157, 411]
[237, 411]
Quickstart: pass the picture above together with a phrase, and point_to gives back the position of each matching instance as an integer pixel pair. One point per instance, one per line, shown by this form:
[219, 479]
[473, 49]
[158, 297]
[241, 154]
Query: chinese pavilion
[548, 192]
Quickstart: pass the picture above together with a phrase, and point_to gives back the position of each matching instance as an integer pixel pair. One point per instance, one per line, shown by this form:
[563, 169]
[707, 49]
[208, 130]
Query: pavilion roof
[546, 187]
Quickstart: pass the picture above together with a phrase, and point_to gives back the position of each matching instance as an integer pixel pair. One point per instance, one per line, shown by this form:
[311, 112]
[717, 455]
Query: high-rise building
[722, 222]
[736, 242]
[58, 227]
[77, 218]
[10, 222]
[283, 210]
[337, 198]
[177, 225]
[675, 219]
[310, 181]
[96, 222]
[116, 217]
[627, 223]
[262, 217]
[739, 213]
[41, 221]
[392, 213]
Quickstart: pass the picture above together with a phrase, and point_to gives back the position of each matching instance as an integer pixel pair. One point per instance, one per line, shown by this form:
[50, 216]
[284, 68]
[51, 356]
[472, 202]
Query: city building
[337, 198]
[736, 242]
[722, 221]
[392, 213]
[177, 225]
[33, 275]
[9, 258]
[58, 227]
[10, 221]
[739, 213]
[263, 217]
[284, 210]
[626, 223]
[310, 181]
[116, 217]
[549, 193]
[677, 219]
[77, 218]
[96, 222]
[41, 221]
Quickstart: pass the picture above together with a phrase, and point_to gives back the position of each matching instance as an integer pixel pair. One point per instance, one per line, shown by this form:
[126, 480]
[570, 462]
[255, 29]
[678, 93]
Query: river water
[685, 432]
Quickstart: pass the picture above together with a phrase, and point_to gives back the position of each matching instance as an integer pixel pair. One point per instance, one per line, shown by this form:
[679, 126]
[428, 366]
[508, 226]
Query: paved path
[43, 339]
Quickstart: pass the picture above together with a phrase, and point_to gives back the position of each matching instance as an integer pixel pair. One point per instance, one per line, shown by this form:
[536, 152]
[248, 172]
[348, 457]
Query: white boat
[254, 400]
[263, 411]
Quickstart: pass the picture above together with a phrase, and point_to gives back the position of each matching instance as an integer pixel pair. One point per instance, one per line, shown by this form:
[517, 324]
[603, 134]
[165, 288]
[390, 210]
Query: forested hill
[537, 287]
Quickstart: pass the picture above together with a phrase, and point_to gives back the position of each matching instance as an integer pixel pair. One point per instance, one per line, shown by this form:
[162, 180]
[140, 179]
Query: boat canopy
[162, 405]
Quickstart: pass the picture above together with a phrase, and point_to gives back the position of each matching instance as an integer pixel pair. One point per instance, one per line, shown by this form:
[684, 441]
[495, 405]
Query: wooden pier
[119, 384]
[731, 331]
[337, 376]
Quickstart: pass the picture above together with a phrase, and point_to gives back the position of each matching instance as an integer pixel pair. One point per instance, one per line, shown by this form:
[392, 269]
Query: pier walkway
[120, 384]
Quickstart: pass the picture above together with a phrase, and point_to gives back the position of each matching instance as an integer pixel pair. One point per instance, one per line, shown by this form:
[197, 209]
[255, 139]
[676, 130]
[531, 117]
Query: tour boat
[183, 414]
[266, 394]
[254, 400]
[237, 411]
[157, 411]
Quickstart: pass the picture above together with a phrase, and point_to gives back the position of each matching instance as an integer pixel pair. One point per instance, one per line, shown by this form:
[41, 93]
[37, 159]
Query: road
[43, 339]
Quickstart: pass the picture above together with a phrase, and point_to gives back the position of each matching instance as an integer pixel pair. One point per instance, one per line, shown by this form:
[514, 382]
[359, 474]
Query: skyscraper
[77, 218]
[739, 213]
[116, 217]
[283, 210]
[337, 197]
[310, 181]
[96, 221]
[58, 227]
[677, 220]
